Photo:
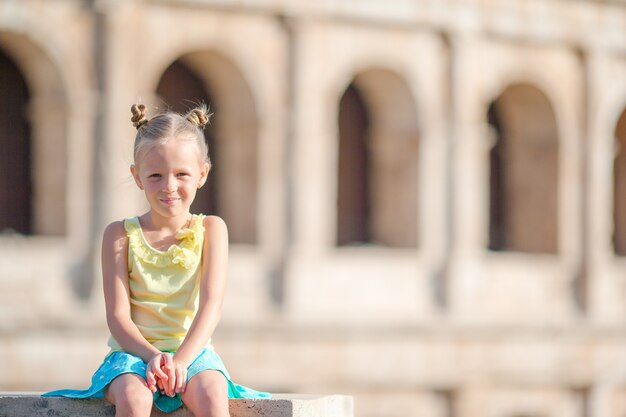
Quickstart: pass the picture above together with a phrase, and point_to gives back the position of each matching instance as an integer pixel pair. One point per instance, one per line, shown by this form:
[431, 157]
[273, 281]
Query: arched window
[231, 190]
[16, 211]
[353, 186]
[619, 190]
[497, 185]
[523, 172]
[180, 90]
[378, 161]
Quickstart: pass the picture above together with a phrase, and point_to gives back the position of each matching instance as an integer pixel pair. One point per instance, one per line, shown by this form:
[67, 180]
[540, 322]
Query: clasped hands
[166, 374]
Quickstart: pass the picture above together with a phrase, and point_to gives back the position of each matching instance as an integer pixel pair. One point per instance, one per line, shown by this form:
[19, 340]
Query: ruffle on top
[186, 253]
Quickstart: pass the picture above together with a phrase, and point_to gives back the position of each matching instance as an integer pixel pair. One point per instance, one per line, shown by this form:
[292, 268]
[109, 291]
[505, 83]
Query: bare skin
[207, 395]
[131, 396]
[169, 174]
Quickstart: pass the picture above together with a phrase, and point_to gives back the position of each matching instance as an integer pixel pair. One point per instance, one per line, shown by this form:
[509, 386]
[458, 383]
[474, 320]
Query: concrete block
[280, 405]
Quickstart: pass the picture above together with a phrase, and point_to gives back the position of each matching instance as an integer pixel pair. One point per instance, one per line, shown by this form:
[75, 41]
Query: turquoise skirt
[118, 363]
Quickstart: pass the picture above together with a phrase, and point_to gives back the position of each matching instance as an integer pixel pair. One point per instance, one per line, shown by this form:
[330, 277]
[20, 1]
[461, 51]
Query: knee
[210, 400]
[216, 392]
[137, 399]
[215, 398]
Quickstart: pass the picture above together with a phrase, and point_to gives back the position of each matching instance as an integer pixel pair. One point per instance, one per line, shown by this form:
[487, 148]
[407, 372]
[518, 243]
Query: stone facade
[426, 198]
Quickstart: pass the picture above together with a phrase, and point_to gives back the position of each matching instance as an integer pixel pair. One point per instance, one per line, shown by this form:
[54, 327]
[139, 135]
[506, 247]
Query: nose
[169, 185]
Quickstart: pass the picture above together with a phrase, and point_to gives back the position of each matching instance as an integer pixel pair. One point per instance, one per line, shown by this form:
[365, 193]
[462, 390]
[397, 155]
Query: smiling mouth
[169, 200]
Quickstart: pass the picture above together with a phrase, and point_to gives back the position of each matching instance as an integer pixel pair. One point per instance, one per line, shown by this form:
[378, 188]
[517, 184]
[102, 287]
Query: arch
[619, 187]
[353, 183]
[15, 144]
[180, 89]
[232, 136]
[378, 162]
[523, 172]
[46, 114]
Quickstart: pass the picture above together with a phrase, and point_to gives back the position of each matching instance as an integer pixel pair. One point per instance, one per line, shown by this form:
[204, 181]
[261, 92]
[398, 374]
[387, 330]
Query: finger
[171, 384]
[168, 362]
[159, 372]
[160, 384]
[151, 380]
[180, 380]
[162, 375]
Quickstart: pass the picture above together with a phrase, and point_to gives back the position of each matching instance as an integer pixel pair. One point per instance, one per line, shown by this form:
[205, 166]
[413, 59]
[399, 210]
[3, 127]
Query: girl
[164, 274]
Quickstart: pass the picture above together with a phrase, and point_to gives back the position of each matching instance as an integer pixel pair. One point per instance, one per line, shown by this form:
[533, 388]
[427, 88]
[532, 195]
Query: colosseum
[426, 198]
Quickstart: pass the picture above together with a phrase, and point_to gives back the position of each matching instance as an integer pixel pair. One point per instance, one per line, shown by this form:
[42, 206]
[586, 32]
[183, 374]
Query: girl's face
[170, 174]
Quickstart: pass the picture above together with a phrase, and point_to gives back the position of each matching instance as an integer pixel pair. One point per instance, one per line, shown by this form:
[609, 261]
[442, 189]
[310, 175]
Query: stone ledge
[280, 405]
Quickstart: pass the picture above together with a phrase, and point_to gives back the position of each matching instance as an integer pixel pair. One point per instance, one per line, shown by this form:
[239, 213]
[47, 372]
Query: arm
[117, 300]
[212, 287]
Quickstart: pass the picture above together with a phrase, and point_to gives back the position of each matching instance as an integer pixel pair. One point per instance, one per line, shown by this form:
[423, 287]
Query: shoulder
[215, 227]
[214, 221]
[114, 232]
[115, 229]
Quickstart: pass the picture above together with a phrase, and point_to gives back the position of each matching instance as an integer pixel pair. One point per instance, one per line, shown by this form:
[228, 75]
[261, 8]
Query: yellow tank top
[163, 285]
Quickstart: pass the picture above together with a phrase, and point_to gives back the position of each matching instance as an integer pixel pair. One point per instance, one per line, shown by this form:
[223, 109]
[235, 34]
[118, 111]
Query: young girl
[164, 275]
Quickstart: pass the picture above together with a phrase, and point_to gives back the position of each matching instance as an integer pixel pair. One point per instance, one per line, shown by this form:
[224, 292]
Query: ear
[204, 173]
[135, 171]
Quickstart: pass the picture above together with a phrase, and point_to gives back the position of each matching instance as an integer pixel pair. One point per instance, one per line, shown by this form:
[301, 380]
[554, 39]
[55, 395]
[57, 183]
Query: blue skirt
[118, 363]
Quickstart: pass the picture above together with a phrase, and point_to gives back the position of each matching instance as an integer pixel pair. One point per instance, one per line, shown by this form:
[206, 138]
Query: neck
[170, 223]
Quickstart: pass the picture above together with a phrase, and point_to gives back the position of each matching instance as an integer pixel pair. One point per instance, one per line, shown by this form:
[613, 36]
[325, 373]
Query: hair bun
[199, 116]
[139, 115]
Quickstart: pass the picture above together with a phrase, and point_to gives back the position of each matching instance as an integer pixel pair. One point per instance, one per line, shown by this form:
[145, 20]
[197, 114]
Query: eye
[182, 174]
[155, 175]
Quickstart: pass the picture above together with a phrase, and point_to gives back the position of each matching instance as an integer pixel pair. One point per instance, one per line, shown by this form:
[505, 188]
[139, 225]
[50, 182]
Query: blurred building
[426, 199]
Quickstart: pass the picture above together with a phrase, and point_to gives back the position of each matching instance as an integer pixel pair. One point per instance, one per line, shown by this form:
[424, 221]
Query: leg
[207, 394]
[131, 396]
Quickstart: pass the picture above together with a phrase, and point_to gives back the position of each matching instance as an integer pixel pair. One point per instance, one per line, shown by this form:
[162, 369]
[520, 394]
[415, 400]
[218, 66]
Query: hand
[156, 371]
[178, 383]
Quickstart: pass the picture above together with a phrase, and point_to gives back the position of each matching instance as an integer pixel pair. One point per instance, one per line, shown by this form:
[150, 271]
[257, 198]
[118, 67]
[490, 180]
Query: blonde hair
[170, 125]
